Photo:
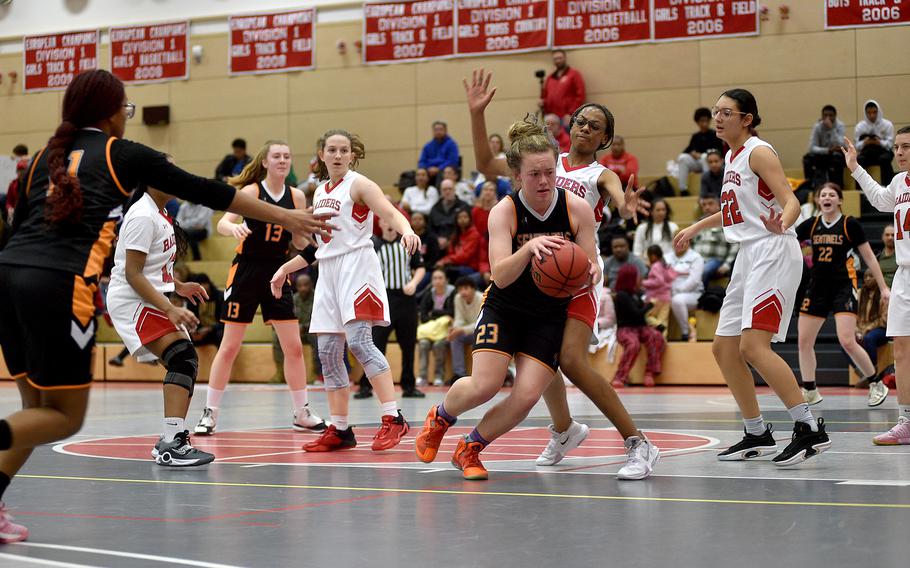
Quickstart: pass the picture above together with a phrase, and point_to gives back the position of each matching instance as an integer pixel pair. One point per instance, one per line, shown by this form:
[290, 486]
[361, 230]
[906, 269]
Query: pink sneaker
[10, 531]
[897, 436]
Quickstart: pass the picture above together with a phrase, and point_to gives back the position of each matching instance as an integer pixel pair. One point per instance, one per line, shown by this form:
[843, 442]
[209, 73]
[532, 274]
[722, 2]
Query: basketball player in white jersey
[592, 129]
[758, 210]
[895, 197]
[149, 324]
[350, 295]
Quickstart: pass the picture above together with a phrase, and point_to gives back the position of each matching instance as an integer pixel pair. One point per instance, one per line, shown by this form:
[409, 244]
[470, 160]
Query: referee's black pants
[403, 316]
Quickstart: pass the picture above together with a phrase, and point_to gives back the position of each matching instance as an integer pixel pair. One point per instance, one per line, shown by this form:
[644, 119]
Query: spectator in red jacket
[463, 258]
[564, 89]
[559, 134]
[621, 162]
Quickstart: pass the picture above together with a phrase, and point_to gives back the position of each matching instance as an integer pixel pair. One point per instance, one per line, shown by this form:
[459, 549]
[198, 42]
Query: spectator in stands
[873, 137]
[463, 258]
[825, 160]
[717, 253]
[872, 318]
[713, 178]
[303, 309]
[12, 194]
[482, 207]
[443, 213]
[657, 230]
[439, 152]
[196, 222]
[631, 329]
[623, 164]
[10, 171]
[564, 89]
[463, 189]
[689, 267]
[429, 246]
[693, 158]
[436, 309]
[558, 132]
[422, 196]
[886, 258]
[503, 183]
[621, 256]
[497, 146]
[468, 302]
[211, 328]
[233, 163]
[658, 286]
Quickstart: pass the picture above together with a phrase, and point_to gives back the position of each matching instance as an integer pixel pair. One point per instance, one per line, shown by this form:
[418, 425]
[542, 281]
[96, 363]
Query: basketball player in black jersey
[262, 250]
[62, 231]
[517, 319]
[833, 288]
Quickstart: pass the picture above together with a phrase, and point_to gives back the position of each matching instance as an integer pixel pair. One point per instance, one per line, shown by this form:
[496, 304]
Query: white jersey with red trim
[582, 181]
[354, 220]
[894, 198]
[148, 229]
[745, 197]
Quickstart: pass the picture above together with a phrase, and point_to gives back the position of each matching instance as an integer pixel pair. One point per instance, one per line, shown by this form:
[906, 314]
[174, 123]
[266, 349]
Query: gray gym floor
[99, 500]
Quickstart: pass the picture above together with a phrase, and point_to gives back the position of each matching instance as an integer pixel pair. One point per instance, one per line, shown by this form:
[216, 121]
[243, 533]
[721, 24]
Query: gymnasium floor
[266, 503]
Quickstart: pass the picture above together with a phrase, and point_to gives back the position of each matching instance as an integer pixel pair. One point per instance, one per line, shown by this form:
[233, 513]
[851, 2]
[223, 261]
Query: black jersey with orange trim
[523, 294]
[267, 241]
[108, 169]
[831, 246]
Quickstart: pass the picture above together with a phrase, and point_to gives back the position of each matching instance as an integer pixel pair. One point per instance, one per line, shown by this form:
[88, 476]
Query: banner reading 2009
[502, 26]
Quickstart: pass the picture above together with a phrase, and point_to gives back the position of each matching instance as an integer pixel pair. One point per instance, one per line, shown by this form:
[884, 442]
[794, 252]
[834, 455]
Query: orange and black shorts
[47, 326]
[514, 332]
[248, 287]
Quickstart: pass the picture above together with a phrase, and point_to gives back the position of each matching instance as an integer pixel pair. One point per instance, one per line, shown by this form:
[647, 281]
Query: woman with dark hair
[463, 258]
[657, 230]
[833, 287]
[758, 211]
[632, 330]
[591, 130]
[52, 262]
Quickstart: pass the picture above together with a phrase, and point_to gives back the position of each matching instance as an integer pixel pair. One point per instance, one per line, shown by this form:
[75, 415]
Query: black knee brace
[182, 364]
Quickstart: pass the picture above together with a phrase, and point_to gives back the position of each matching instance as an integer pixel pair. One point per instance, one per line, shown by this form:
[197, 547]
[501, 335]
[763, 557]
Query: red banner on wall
[850, 14]
[580, 23]
[408, 31]
[502, 26]
[272, 43]
[51, 61]
[145, 54]
[690, 19]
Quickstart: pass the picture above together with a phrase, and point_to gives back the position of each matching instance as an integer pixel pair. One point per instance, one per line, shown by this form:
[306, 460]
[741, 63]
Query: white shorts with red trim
[137, 322]
[762, 290]
[350, 287]
[584, 307]
[899, 304]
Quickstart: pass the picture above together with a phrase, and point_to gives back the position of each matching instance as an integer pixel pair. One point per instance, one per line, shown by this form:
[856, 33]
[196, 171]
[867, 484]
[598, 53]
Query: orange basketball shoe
[390, 433]
[428, 441]
[332, 439]
[467, 459]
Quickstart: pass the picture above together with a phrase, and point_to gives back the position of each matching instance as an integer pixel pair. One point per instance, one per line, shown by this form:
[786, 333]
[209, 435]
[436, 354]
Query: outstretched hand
[633, 200]
[774, 222]
[478, 92]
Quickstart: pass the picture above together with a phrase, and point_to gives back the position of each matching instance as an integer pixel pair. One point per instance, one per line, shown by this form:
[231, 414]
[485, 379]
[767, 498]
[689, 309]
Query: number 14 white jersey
[745, 197]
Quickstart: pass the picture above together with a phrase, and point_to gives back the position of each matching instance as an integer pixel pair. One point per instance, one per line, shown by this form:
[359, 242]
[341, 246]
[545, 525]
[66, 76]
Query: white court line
[875, 482]
[136, 555]
[44, 561]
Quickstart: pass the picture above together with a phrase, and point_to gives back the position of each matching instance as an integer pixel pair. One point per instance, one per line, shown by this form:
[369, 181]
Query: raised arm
[479, 95]
[628, 202]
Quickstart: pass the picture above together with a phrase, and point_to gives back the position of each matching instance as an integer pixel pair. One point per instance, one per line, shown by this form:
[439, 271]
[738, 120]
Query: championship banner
[51, 61]
[502, 26]
[694, 19]
[858, 14]
[271, 43]
[148, 54]
[582, 23]
[408, 31]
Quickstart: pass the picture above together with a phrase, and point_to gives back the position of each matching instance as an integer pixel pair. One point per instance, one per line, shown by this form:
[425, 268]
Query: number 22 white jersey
[745, 197]
[582, 181]
[354, 220]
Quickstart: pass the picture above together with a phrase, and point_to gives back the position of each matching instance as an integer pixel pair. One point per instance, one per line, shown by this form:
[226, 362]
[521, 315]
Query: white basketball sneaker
[561, 443]
[642, 455]
[812, 396]
[207, 422]
[306, 421]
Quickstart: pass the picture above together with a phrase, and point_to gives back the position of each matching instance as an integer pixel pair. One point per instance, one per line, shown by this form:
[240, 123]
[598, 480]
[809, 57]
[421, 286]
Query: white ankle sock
[801, 413]
[755, 426]
[172, 426]
[213, 397]
[340, 422]
[299, 398]
[390, 408]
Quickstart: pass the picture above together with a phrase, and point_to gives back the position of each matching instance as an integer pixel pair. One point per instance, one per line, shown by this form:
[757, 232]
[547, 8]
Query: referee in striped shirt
[401, 272]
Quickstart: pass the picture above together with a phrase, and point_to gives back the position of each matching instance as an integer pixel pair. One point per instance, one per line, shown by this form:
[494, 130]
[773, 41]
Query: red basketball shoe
[390, 433]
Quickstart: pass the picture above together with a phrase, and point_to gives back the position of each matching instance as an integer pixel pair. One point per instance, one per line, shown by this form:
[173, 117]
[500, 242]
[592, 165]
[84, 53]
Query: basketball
[562, 274]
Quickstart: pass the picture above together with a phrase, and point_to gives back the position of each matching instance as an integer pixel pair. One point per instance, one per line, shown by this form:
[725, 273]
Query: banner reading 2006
[408, 31]
[859, 14]
[580, 23]
[697, 19]
[502, 26]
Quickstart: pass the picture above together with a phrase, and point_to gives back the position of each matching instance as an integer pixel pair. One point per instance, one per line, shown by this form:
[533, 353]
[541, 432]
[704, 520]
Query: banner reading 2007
[408, 31]
[580, 23]
[502, 26]
[691, 19]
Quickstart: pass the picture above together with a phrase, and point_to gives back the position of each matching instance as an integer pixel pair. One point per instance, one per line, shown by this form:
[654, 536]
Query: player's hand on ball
[544, 245]
[182, 317]
[774, 222]
[240, 231]
[192, 291]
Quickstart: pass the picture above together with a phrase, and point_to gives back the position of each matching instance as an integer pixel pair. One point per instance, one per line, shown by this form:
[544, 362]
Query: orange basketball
[562, 274]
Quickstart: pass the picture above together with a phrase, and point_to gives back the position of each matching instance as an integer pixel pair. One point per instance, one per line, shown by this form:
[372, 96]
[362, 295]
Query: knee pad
[360, 341]
[331, 357]
[182, 364]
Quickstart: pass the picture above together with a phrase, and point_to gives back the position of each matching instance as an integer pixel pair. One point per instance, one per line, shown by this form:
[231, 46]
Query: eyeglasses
[130, 110]
[725, 112]
[582, 122]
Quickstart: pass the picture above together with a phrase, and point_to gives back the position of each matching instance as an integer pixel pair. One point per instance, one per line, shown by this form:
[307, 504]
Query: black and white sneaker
[306, 421]
[180, 453]
[804, 444]
[751, 446]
